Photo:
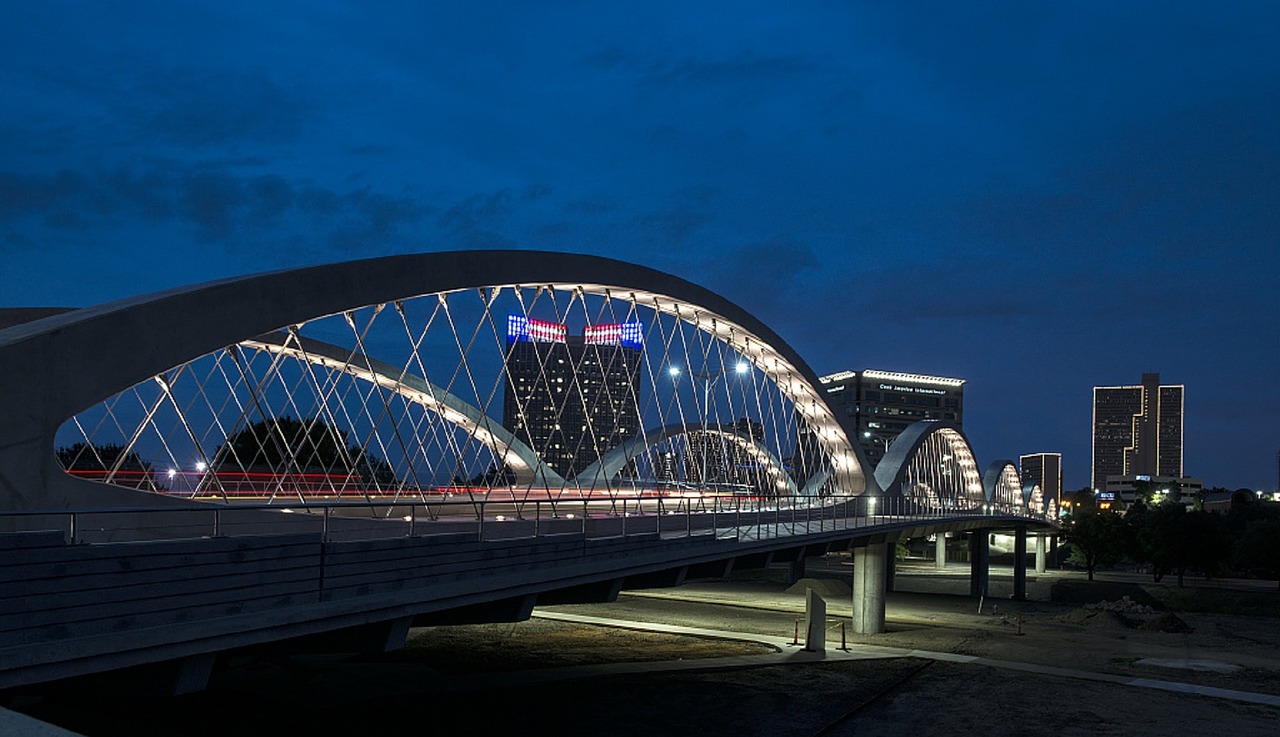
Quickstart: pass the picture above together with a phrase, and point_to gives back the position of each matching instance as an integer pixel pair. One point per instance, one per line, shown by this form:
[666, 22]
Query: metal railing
[489, 520]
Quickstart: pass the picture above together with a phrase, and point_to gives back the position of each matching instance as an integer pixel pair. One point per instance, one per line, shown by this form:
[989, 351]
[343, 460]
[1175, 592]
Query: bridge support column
[1020, 564]
[979, 553]
[795, 570]
[940, 551]
[1040, 556]
[890, 566]
[868, 588]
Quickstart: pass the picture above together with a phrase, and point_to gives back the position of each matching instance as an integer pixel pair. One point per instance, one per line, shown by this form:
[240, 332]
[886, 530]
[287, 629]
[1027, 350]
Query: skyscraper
[1137, 430]
[1045, 471]
[571, 398]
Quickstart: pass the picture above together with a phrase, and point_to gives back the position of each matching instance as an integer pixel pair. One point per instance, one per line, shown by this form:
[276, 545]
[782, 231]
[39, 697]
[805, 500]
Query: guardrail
[494, 519]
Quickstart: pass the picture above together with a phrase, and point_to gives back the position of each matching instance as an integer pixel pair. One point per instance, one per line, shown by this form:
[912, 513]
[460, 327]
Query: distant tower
[1043, 470]
[1137, 430]
[572, 398]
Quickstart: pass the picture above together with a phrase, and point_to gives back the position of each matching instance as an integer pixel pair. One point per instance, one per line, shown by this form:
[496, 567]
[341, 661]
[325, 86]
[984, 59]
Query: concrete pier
[979, 556]
[869, 588]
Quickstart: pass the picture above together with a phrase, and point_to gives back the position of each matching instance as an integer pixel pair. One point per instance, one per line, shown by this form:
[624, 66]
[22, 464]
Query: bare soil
[493, 679]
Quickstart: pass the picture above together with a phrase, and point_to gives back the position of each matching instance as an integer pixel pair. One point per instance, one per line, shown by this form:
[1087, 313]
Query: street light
[708, 379]
[883, 441]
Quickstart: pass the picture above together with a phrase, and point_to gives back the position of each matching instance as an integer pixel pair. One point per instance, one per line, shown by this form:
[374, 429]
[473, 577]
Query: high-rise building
[1043, 470]
[1137, 430]
[882, 404]
[572, 398]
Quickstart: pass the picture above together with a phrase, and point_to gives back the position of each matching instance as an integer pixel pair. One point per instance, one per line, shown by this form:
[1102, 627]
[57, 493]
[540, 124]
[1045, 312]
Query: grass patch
[541, 643]
[1219, 601]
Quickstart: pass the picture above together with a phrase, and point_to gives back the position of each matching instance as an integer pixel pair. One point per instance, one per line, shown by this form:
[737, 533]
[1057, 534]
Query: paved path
[788, 653]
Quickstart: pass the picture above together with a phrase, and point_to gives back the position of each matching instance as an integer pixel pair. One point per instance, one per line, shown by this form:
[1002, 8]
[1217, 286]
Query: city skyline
[1038, 199]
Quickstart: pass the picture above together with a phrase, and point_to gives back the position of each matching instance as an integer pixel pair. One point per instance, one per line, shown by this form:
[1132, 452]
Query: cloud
[747, 69]
[210, 201]
[216, 107]
[218, 203]
[476, 220]
[769, 277]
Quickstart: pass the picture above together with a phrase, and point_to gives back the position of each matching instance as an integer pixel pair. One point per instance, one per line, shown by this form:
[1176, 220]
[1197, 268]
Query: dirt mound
[827, 588]
[1086, 592]
[1167, 622]
[1124, 605]
[1097, 618]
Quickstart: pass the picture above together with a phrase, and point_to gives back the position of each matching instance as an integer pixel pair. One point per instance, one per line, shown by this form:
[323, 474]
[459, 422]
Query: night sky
[1035, 197]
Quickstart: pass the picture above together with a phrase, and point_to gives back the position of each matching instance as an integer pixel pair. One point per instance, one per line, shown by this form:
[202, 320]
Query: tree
[309, 445]
[96, 461]
[1097, 538]
[1172, 539]
[93, 457]
[1080, 499]
[1258, 547]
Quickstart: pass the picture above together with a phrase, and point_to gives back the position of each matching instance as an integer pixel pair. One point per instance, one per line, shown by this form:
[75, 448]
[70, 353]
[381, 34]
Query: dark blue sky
[1035, 197]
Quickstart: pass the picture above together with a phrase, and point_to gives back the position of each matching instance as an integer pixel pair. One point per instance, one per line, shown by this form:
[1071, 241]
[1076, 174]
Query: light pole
[708, 379]
[882, 440]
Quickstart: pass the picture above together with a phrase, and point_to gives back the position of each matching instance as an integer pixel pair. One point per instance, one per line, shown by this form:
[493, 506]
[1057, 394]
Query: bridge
[330, 456]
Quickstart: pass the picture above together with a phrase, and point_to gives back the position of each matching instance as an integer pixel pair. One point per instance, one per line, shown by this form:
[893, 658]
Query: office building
[882, 404]
[1137, 430]
[1043, 470]
[571, 398]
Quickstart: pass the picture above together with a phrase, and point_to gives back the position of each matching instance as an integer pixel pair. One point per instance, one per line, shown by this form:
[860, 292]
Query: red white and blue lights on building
[521, 329]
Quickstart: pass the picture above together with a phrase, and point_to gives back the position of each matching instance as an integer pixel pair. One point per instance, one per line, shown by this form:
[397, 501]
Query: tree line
[276, 444]
[1168, 538]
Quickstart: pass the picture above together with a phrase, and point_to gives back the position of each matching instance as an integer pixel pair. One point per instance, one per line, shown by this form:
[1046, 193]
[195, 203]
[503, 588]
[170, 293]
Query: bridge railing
[727, 517]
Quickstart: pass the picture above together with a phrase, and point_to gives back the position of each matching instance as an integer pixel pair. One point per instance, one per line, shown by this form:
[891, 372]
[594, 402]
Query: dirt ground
[489, 679]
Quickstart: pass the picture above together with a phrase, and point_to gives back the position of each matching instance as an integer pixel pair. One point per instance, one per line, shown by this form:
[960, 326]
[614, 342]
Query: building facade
[1137, 430]
[883, 403]
[1045, 471]
[1127, 489]
[572, 398]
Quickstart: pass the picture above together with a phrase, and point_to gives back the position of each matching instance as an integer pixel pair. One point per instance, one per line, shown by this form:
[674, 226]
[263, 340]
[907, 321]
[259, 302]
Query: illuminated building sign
[627, 334]
[910, 389]
[523, 329]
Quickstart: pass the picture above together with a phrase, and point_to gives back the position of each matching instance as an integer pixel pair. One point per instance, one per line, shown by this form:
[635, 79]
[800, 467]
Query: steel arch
[613, 462]
[1002, 485]
[933, 463]
[79, 361]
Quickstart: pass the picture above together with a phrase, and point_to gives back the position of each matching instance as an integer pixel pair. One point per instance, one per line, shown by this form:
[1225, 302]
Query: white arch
[84, 357]
[932, 462]
[1002, 484]
[610, 464]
